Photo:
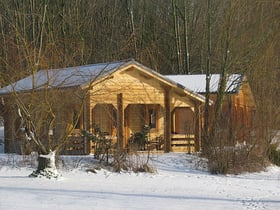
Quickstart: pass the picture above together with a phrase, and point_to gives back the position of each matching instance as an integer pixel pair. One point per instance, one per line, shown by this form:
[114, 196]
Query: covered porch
[147, 126]
[140, 127]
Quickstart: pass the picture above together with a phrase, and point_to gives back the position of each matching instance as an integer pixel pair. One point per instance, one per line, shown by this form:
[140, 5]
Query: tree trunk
[43, 163]
[46, 166]
[187, 57]
[205, 143]
[177, 37]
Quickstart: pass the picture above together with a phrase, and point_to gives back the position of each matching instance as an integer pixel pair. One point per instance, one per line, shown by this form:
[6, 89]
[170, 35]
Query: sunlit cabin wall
[141, 93]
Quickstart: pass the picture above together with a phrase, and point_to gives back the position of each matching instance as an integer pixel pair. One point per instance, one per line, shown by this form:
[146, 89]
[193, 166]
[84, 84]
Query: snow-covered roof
[64, 77]
[197, 83]
[83, 75]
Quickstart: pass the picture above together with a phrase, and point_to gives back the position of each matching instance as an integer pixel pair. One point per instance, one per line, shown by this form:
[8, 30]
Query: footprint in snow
[253, 204]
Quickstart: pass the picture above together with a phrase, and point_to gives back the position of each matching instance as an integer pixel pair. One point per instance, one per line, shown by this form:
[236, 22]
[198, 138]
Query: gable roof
[83, 75]
[62, 78]
[197, 82]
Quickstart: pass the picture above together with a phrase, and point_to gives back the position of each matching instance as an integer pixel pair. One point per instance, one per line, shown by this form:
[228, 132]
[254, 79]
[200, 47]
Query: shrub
[235, 160]
[274, 154]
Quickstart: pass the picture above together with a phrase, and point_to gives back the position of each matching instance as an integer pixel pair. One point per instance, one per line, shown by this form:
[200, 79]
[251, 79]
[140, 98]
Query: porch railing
[75, 145]
[179, 143]
[182, 143]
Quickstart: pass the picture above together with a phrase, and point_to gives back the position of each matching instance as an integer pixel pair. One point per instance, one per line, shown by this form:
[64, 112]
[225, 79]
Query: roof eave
[169, 82]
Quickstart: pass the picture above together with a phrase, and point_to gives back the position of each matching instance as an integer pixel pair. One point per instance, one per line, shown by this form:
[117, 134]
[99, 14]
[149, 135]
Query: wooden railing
[182, 143]
[155, 144]
[179, 143]
[75, 144]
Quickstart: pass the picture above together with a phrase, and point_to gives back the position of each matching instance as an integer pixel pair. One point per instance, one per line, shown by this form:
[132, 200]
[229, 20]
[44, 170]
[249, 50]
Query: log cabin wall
[142, 95]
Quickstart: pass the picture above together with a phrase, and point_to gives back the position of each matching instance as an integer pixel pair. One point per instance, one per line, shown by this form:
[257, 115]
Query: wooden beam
[197, 127]
[120, 121]
[86, 126]
[167, 120]
[9, 131]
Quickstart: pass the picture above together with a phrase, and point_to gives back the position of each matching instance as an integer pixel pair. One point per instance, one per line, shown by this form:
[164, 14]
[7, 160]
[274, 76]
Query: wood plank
[182, 136]
[183, 149]
[167, 120]
[197, 127]
[182, 142]
[120, 121]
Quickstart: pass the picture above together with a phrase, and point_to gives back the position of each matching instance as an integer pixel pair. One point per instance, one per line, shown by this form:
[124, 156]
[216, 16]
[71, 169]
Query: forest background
[171, 37]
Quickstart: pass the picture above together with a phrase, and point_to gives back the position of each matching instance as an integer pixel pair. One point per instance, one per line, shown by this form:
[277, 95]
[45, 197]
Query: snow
[197, 82]
[180, 183]
[64, 77]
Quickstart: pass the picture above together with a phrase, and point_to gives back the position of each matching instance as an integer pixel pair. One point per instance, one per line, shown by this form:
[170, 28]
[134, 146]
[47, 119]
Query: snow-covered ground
[178, 184]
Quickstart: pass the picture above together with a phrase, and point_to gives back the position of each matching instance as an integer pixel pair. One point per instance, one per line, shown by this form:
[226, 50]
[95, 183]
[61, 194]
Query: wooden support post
[167, 121]
[85, 123]
[197, 128]
[9, 129]
[231, 112]
[120, 121]
[90, 144]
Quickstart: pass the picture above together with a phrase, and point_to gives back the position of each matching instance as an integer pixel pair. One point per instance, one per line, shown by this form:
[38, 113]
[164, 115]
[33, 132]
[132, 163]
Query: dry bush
[274, 154]
[235, 161]
[131, 161]
[227, 156]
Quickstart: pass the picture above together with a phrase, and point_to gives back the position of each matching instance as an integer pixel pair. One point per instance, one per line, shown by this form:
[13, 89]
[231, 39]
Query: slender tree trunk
[177, 37]
[131, 15]
[207, 88]
[187, 57]
[223, 79]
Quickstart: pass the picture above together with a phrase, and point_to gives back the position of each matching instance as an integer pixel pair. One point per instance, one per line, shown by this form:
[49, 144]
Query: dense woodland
[171, 37]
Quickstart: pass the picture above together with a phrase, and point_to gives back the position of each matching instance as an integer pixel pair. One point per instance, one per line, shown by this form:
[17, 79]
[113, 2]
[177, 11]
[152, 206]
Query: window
[76, 119]
[114, 117]
[152, 118]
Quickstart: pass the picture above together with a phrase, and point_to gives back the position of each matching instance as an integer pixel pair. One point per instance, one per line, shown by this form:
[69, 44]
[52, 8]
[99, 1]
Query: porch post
[9, 130]
[197, 141]
[120, 121]
[167, 121]
[87, 124]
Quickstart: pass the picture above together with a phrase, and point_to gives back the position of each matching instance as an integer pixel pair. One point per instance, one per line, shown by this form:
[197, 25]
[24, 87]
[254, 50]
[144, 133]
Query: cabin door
[183, 121]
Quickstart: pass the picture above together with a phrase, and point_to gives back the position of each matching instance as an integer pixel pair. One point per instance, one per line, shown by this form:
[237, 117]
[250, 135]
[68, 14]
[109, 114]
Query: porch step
[181, 143]
[183, 149]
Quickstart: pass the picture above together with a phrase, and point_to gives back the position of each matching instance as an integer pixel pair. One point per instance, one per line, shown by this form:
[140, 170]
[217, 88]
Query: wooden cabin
[238, 106]
[122, 98]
